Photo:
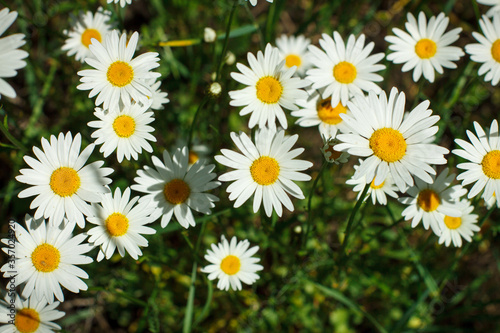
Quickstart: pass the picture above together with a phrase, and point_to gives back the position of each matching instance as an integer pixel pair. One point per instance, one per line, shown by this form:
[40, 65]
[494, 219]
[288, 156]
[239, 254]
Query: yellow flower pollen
[64, 181]
[124, 126]
[428, 200]
[265, 170]
[292, 60]
[269, 90]
[176, 191]
[344, 72]
[491, 164]
[230, 265]
[87, 36]
[452, 222]
[117, 224]
[27, 320]
[495, 50]
[45, 258]
[388, 144]
[328, 114]
[120, 74]
[376, 187]
[425, 48]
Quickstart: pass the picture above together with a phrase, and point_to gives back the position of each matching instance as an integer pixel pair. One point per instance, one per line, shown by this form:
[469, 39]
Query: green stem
[193, 124]
[226, 40]
[5, 131]
[351, 218]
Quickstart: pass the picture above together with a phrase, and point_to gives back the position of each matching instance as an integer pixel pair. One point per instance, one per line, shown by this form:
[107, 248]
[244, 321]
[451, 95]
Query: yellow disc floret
[425, 48]
[452, 222]
[45, 258]
[64, 181]
[116, 224]
[265, 170]
[329, 114]
[428, 200]
[124, 126]
[491, 164]
[269, 90]
[292, 60]
[176, 191]
[230, 265]
[344, 72]
[120, 74]
[87, 36]
[495, 50]
[388, 144]
[27, 320]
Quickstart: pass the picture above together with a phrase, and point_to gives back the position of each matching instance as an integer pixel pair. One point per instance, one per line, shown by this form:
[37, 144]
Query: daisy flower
[483, 168]
[30, 315]
[10, 56]
[462, 226]
[269, 88]
[489, 202]
[344, 70]
[61, 181]
[378, 193]
[198, 152]
[158, 97]
[174, 188]
[425, 48]
[126, 131]
[391, 141]
[495, 6]
[120, 225]
[46, 256]
[254, 2]
[316, 111]
[487, 51]
[123, 3]
[88, 27]
[232, 263]
[266, 169]
[430, 203]
[117, 77]
[294, 51]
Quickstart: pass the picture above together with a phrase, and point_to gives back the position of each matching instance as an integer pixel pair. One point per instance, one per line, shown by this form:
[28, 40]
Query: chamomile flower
[316, 111]
[60, 180]
[462, 226]
[30, 315]
[46, 256]
[174, 188]
[117, 77]
[378, 193]
[88, 26]
[293, 49]
[483, 168]
[232, 263]
[120, 225]
[430, 203]
[268, 90]
[126, 131]
[344, 70]
[254, 2]
[487, 51]
[158, 97]
[425, 48]
[10, 56]
[490, 202]
[123, 3]
[266, 169]
[391, 141]
[495, 6]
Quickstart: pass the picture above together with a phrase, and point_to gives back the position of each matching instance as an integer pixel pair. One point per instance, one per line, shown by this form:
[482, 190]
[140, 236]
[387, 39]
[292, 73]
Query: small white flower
[209, 35]
[158, 97]
[378, 193]
[123, 3]
[462, 226]
[294, 51]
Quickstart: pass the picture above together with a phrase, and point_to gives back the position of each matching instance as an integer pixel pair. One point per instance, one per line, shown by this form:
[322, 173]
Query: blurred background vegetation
[394, 278]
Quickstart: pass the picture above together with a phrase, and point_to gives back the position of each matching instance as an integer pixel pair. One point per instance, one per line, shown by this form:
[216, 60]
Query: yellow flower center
[328, 114]
[376, 187]
[452, 222]
[269, 90]
[344, 72]
[193, 157]
[124, 126]
[388, 144]
[117, 224]
[292, 60]
[64, 181]
[176, 191]
[265, 170]
[230, 265]
[425, 48]
[87, 36]
[120, 74]
[428, 200]
[45, 258]
[27, 320]
[491, 164]
[495, 50]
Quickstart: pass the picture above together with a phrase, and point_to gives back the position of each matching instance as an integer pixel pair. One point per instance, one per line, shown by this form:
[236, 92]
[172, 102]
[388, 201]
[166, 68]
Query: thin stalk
[193, 124]
[12, 139]
[305, 236]
[226, 40]
[351, 218]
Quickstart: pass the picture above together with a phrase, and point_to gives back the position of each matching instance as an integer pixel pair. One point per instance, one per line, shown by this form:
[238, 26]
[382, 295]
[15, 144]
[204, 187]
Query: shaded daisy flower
[61, 181]
[120, 225]
[174, 188]
[30, 315]
[495, 9]
[117, 77]
[342, 69]
[378, 193]
[293, 49]
[268, 90]
[391, 141]
[266, 169]
[425, 48]
[88, 26]
[487, 51]
[10, 56]
[46, 256]
[462, 226]
[232, 263]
